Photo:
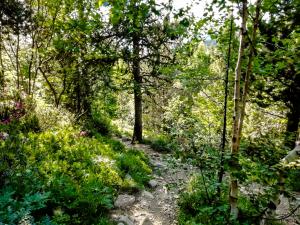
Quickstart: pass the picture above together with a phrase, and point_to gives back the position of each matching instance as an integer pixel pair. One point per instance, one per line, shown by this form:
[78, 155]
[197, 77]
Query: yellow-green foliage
[81, 175]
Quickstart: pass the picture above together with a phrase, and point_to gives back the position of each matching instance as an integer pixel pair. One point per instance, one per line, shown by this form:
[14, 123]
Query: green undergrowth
[161, 143]
[62, 177]
[200, 202]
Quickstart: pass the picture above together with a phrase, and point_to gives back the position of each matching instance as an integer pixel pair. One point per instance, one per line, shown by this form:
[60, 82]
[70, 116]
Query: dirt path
[156, 205]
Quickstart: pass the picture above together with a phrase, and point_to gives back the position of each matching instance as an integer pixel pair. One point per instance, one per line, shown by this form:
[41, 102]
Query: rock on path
[158, 205]
[124, 201]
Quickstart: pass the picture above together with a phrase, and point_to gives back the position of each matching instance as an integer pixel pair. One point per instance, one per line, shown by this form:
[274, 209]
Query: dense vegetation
[220, 90]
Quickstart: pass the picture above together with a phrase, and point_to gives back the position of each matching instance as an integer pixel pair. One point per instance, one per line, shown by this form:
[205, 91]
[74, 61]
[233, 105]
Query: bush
[30, 123]
[99, 124]
[199, 204]
[293, 180]
[200, 207]
[102, 112]
[52, 118]
[115, 145]
[15, 208]
[162, 144]
[80, 175]
[135, 164]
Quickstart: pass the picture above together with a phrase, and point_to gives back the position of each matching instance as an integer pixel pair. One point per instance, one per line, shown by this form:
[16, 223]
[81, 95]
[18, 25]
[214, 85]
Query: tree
[74, 59]
[236, 116]
[279, 63]
[146, 28]
[240, 100]
[14, 22]
[226, 90]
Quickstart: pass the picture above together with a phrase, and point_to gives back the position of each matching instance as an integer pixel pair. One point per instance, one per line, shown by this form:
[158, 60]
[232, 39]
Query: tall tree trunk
[31, 63]
[233, 196]
[223, 141]
[249, 66]
[137, 91]
[293, 119]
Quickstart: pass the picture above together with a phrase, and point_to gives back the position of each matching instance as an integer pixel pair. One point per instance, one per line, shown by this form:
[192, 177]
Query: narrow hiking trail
[156, 205]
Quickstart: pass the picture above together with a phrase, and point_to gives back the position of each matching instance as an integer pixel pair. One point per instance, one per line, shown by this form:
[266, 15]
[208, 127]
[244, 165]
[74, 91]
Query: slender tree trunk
[78, 93]
[223, 142]
[52, 89]
[233, 196]
[18, 61]
[31, 63]
[137, 91]
[249, 67]
[1, 61]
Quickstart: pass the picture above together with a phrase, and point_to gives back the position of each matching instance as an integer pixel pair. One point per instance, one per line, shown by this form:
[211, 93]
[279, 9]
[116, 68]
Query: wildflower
[19, 105]
[83, 133]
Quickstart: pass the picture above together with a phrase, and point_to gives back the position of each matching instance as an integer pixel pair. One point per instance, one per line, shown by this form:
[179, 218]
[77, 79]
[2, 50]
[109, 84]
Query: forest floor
[157, 204]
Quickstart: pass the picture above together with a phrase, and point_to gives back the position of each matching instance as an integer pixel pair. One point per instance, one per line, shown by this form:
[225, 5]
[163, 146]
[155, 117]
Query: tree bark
[249, 67]
[52, 89]
[293, 119]
[233, 195]
[33, 47]
[18, 61]
[2, 78]
[137, 91]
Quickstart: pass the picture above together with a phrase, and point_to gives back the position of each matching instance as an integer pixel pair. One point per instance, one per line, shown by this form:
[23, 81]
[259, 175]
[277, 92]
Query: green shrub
[30, 123]
[115, 145]
[200, 205]
[293, 180]
[51, 117]
[99, 123]
[101, 116]
[134, 163]
[162, 144]
[15, 208]
[81, 175]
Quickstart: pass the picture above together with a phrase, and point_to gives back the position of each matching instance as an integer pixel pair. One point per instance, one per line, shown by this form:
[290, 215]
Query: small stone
[125, 200]
[121, 224]
[128, 177]
[153, 183]
[146, 221]
[126, 220]
[144, 204]
[155, 155]
[159, 165]
[147, 194]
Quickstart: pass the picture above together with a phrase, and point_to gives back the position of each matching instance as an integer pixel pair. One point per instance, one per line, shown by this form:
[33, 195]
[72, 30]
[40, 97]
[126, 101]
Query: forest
[149, 112]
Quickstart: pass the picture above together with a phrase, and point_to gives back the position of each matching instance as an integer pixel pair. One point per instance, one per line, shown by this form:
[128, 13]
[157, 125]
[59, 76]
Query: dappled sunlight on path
[158, 204]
